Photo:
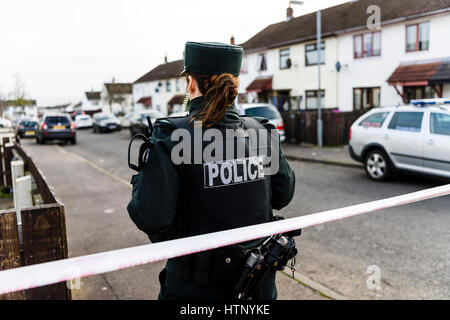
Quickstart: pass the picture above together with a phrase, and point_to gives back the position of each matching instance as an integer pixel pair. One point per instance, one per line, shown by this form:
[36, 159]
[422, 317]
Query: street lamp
[319, 96]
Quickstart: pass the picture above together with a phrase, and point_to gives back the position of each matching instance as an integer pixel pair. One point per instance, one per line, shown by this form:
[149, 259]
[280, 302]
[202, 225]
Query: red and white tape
[74, 268]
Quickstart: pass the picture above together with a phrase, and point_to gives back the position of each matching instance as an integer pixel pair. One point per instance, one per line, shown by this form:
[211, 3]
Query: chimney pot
[289, 13]
[232, 40]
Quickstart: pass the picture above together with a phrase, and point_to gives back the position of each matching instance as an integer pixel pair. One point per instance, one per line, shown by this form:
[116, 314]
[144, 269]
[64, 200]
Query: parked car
[179, 114]
[264, 110]
[5, 123]
[138, 121]
[125, 120]
[56, 126]
[27, 128]
[83, 121]
[412, 138]
[104, 122]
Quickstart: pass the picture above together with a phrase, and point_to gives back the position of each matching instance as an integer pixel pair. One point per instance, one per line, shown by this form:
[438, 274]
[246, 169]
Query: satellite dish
[288, 63]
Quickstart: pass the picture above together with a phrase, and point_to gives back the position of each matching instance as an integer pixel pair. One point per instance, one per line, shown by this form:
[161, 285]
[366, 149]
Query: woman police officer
[176, 200]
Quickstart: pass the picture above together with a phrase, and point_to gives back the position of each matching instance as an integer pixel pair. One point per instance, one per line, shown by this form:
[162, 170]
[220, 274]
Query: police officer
[186, 199]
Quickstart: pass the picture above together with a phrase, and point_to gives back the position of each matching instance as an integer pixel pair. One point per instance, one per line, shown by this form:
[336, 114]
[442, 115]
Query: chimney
[289, 13]
[165, 59]
[232, 40]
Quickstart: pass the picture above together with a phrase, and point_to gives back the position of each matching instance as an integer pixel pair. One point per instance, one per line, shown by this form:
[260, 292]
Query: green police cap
[212, 58]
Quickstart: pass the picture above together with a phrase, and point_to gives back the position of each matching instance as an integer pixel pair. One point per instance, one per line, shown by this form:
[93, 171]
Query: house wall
[374, 71]
[300, 77]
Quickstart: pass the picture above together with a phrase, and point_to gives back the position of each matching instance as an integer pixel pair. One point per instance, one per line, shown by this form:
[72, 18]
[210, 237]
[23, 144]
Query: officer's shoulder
[260, 120]
[171, 123]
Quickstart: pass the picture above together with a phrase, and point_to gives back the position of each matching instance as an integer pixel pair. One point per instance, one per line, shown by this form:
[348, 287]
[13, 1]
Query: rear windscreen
[264, 112]
[28, 124]
[56, 120]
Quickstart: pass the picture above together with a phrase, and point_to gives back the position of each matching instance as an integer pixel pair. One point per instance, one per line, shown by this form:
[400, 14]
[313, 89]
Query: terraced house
[161, 89]
[403, 56]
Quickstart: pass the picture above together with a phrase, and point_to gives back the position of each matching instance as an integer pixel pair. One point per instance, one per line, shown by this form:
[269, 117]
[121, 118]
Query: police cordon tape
[74, 268]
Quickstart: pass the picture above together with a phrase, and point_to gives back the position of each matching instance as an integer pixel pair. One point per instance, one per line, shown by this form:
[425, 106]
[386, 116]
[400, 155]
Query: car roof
[415, 108]
[56, 115]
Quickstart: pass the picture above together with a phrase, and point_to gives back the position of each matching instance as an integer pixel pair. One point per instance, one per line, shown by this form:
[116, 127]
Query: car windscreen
[57, 119]
[264, 112]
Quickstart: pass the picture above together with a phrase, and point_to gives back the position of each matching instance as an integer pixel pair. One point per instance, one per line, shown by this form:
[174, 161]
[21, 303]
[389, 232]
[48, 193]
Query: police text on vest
[231, 172]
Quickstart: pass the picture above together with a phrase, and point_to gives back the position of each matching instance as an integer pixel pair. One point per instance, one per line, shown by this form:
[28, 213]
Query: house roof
[119, 88]
[414, 74]
[163, 71]
[176, 99]
[350, 16]
[259, 85]
[93, 95]
[442, 74]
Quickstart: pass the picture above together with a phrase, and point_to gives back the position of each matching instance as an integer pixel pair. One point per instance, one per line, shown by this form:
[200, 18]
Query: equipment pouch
[227, 263]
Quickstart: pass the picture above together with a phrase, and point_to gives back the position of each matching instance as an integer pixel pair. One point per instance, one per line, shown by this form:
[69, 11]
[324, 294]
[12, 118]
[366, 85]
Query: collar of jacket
[198, 103]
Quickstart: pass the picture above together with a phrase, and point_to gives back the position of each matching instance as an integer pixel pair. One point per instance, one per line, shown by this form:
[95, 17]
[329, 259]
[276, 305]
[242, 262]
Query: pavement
[328, 155]
[408, 245]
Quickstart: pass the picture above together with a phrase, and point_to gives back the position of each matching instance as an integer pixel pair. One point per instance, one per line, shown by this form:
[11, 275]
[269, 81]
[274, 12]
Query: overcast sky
[61, 48]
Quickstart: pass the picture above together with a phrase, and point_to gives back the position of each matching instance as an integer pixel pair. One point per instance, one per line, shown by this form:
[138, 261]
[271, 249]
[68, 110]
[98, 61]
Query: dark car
[56, 127]
[104, 122]
[138, 121]
[27, 128]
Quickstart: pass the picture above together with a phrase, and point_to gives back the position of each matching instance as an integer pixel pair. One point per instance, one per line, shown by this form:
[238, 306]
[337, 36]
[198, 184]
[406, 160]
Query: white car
[83, 121]
[406, 138]
[264, 110]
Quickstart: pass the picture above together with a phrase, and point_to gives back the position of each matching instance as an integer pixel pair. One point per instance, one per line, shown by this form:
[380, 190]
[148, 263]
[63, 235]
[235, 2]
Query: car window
[56, 119]
[264, 112]
[375, 120]
[407, 121]
[440, 124]
[28, 123]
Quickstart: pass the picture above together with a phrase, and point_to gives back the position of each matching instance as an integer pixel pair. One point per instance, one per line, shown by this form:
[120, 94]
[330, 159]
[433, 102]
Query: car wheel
[378, 166]
[94, 129]
[73, 141]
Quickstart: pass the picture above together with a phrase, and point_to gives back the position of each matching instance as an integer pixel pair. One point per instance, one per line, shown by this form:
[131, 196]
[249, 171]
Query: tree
[18, 96]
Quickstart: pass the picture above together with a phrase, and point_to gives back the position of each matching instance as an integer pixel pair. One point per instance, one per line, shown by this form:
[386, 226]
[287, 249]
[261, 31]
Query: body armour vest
[229, 190]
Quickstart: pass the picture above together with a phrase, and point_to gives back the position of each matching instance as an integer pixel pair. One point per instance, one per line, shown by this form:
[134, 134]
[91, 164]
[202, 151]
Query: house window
[418, 92]
[367, 45]
[284, 59]
[311, 56]
[244, 67]
[418, 37]
[177, 84]
[365, 98]
[312, 98]
[262, 64]
[168, 86]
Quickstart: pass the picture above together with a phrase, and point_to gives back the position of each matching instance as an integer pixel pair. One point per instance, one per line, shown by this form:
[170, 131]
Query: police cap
[212, 58]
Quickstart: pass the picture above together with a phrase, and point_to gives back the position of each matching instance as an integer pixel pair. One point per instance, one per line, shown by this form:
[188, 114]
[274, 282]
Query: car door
[404, 139]
[436, 144]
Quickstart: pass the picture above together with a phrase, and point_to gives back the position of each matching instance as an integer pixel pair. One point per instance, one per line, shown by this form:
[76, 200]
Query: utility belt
[239, 269]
